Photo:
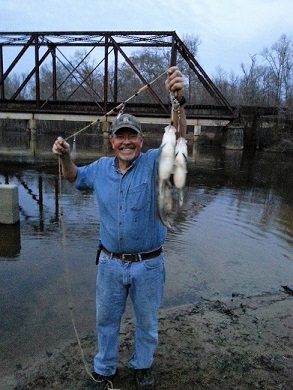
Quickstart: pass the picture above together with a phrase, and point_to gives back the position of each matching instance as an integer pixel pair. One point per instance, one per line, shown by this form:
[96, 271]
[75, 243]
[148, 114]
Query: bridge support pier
[9, 206]
[105, 126]
[105, 129]
[195, 151]
[32, 128]
[233, 136]
[196, 132]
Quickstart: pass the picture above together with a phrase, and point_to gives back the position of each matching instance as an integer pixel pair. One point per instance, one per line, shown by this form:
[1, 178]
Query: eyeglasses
[123, 137]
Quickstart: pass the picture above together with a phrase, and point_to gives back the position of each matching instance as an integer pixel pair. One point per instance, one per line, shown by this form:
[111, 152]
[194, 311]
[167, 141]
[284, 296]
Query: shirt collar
[116, 166]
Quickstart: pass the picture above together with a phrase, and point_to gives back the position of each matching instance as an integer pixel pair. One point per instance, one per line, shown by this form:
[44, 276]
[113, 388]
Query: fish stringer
[175, 107]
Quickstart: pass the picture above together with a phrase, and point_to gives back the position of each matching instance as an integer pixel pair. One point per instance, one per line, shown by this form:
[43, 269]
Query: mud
[240, 343]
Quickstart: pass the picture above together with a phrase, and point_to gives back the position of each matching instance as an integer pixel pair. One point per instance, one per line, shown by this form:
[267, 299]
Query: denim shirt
[129, 221]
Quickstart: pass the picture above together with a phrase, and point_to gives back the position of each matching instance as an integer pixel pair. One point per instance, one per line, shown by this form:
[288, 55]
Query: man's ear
[111, 141]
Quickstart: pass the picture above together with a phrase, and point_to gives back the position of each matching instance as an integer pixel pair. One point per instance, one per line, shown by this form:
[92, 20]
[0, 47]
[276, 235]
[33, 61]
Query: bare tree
[280, 62]
[250, 82]
[13, 82]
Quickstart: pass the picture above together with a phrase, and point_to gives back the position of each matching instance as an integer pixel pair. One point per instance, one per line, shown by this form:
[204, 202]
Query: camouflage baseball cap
[126, 121]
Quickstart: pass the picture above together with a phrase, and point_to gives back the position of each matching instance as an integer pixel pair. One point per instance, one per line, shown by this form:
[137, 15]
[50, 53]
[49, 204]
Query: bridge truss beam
[38, 47]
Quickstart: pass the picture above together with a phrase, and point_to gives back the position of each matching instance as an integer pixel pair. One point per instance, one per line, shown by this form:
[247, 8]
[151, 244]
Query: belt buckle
[124, 256]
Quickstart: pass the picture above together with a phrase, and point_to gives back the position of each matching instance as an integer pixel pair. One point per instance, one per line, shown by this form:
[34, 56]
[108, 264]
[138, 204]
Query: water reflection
[10, 242]
[234, 235]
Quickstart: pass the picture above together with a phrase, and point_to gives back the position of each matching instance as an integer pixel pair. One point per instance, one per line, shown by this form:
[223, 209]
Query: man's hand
[175, 82]
[61, 147]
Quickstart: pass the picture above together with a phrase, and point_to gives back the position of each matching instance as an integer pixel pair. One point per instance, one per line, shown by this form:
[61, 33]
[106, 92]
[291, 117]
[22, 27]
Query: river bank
[240, 343]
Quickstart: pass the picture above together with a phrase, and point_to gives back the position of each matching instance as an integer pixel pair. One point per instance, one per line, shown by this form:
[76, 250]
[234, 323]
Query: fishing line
[68, 283]
[66, 266]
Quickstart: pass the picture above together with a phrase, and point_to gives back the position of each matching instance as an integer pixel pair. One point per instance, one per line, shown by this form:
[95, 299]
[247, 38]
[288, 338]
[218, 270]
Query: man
[130, 261]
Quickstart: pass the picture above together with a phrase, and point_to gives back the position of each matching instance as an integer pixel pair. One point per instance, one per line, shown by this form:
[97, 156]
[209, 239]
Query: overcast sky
[229, 30]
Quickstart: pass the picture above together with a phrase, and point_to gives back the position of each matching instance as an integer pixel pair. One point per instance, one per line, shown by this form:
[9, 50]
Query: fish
[165, 170]
[180, 167]
[165, 201]
[173, 161]
[167, 157]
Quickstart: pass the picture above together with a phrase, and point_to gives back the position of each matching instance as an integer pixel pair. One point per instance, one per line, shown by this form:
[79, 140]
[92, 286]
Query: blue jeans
[144, 282]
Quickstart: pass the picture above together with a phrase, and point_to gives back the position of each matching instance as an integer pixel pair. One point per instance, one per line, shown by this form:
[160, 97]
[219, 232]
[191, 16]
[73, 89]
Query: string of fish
[172, 165]
[119, 107]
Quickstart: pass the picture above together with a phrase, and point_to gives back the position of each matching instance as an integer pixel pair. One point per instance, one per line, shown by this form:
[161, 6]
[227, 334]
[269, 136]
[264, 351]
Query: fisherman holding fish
[130, 256]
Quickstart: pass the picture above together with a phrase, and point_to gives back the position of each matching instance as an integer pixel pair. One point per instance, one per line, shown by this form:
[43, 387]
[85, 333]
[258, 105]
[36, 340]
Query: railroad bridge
[91, 89]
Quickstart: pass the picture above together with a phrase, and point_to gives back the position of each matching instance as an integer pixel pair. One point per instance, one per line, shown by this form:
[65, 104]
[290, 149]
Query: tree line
[266, 81]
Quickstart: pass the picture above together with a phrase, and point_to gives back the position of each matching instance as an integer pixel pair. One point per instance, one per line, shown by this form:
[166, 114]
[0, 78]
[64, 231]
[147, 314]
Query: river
[233, 236]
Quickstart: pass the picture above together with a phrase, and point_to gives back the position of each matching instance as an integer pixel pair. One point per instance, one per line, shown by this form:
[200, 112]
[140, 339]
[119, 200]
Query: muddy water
[234, 235]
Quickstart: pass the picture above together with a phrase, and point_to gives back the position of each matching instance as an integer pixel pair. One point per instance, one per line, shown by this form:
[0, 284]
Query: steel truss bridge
[35, 49]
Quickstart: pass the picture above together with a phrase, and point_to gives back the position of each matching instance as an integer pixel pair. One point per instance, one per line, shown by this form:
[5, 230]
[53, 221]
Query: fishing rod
[118, 107]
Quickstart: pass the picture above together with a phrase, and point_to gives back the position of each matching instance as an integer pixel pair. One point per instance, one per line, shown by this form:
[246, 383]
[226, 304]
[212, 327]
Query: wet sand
[239, 343]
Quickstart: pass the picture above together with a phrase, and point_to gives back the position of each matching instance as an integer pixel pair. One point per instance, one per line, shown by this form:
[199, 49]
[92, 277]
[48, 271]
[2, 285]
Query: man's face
[126, 144]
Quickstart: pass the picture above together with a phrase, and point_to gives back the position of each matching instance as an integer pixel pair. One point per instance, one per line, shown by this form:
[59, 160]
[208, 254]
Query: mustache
[126, 147]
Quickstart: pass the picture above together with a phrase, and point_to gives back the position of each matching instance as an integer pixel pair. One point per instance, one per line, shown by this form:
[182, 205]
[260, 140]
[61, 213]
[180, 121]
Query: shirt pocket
[139, 197]
[139, 211]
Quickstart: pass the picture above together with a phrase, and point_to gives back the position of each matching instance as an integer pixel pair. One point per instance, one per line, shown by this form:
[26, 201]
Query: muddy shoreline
[239, 343]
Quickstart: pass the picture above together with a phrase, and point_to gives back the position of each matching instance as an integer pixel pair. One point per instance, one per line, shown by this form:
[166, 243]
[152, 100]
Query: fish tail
[180, 197]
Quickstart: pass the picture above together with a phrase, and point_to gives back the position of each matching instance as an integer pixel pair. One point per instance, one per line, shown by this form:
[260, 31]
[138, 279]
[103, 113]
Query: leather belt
[133, 256]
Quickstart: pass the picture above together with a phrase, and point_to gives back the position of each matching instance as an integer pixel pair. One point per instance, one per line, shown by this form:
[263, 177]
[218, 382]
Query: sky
[230, 31]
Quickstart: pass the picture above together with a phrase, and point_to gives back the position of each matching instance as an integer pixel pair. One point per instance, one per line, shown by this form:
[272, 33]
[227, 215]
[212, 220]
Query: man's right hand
[61, 147]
